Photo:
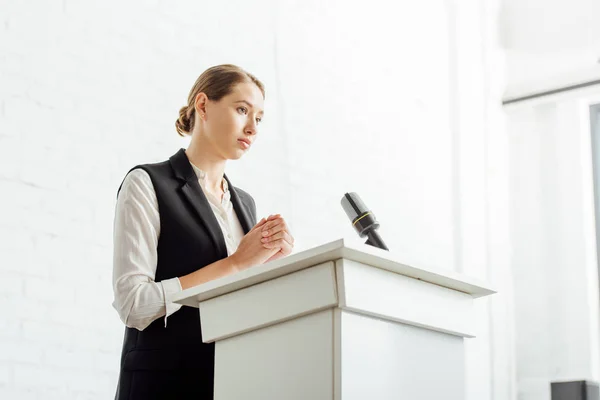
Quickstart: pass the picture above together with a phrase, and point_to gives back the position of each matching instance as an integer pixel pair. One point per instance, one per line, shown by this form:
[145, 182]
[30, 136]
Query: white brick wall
[358, 99]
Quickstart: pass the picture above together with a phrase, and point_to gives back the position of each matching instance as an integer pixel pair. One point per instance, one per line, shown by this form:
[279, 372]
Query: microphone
[363, 220]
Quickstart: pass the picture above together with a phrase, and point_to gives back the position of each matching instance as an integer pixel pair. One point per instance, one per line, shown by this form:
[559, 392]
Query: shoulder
[136, 182]
[157, 168]
[142, 176]
[137, 175]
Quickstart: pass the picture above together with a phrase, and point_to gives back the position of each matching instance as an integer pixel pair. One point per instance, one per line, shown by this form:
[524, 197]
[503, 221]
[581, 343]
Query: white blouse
[138, 299]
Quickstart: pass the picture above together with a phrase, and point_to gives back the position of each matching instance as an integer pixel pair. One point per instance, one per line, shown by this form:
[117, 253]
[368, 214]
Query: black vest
[172, 362]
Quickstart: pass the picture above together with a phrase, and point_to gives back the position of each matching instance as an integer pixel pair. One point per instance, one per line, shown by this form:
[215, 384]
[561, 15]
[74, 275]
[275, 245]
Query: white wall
[398, 102]
[554, 244]
[549, 44]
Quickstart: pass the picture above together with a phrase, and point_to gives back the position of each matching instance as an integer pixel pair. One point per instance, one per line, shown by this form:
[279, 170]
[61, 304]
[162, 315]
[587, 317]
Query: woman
[180, 223]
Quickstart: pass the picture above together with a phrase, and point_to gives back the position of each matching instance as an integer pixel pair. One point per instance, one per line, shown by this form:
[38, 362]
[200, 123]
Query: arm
[138, 299]
[223, 267]
[249, 252]
[218, 269]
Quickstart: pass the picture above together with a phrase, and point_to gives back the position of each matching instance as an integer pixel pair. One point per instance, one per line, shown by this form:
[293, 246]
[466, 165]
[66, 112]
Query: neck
[200, 154]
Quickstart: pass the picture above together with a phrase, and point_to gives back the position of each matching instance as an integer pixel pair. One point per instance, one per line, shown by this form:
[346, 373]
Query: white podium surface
[338, 321]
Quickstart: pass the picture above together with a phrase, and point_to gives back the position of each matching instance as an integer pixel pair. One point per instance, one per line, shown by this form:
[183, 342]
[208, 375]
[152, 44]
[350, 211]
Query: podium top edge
[331, 251]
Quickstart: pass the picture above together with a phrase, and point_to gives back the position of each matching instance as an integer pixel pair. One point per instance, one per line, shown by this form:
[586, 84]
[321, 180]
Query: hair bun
[183, 123]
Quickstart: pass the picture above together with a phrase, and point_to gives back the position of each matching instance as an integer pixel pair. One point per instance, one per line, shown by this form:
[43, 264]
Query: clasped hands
[275, 234]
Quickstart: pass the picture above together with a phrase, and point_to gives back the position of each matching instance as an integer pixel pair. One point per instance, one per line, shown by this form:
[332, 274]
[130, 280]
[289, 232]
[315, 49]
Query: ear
[200, 103]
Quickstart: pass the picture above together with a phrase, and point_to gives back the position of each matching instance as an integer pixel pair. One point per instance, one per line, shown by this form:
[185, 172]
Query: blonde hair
[216, 82]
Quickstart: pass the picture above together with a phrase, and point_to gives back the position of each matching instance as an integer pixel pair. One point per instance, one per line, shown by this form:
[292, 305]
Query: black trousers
[165, 385]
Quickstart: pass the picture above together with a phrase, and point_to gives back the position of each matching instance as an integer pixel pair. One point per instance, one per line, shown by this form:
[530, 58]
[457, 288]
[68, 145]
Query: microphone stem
[375, 240]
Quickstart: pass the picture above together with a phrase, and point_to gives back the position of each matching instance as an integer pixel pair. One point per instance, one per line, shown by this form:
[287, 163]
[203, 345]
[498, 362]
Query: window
[595, 132]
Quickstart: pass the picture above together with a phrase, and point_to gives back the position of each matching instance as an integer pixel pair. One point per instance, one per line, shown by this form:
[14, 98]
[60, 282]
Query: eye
[258, 120]
[244, 109]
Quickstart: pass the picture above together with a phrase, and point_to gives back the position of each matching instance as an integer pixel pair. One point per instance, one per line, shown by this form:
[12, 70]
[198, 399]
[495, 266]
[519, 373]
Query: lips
[248, 143]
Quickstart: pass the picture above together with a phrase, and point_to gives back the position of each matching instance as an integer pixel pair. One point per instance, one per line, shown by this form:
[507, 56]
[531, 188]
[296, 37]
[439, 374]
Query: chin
[236, 155]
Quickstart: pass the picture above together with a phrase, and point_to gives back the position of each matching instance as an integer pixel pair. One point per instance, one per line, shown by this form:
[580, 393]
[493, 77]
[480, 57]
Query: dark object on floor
[575, 390]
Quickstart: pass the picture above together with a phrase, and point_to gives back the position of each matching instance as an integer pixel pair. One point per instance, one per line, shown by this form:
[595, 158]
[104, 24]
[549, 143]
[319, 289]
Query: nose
[251, 128]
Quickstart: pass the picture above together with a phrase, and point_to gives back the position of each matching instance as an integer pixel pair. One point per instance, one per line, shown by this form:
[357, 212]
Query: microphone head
[362, 219]
[353, 205]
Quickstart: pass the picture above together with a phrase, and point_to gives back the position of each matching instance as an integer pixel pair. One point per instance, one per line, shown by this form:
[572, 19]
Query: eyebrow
[250, 104]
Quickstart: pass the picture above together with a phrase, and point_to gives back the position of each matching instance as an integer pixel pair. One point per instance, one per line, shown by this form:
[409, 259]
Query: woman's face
[234, 120]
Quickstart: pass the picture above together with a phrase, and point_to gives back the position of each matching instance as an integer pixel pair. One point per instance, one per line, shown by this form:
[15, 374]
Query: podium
[335, 322]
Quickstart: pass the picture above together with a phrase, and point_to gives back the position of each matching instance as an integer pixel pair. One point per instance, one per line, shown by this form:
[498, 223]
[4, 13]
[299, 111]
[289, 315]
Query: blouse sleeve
[138, 299]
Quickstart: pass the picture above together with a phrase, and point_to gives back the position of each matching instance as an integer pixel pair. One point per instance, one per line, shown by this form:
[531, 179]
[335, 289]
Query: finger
[272, 218]
[279, 235]
[275, 256]
[277, 229]
[289, 238]
[271, 244]
[277, 243]
[279, 222]
[271, 231]
[273, 237]
[272, 223]
[258, 224]
[285, 247]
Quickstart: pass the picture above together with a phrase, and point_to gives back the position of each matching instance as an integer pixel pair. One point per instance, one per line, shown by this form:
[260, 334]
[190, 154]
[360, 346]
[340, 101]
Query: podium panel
[292, 360]
[388, 360]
